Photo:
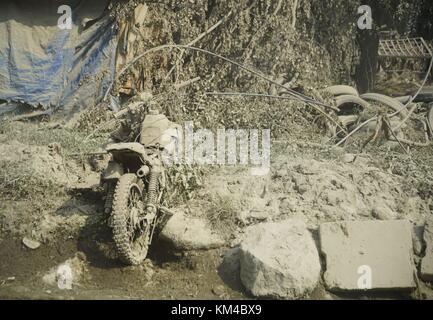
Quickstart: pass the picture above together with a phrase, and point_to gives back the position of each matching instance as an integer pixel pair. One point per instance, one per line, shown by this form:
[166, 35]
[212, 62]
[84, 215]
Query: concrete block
[368, 255]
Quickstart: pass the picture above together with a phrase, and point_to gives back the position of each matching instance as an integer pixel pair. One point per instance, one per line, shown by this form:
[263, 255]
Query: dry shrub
[222, 214]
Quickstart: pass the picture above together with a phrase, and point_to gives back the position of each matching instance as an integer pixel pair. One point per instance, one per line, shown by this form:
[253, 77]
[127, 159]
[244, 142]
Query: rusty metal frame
[406, 48]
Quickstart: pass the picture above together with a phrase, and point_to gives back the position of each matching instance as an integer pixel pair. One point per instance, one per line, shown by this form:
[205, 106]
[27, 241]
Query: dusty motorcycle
[135, 180]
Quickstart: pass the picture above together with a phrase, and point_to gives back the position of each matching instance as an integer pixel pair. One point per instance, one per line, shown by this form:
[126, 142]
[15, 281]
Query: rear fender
[131, 156]
[134, 147]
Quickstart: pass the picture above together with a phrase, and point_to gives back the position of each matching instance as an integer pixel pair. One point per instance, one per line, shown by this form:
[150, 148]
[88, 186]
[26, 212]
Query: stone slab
[359, 251]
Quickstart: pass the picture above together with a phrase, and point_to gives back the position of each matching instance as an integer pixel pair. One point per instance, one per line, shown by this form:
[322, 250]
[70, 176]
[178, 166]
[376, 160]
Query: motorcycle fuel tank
[157, 129]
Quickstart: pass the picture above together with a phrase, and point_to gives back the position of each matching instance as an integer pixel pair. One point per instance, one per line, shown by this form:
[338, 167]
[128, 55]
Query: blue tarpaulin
[43, 65]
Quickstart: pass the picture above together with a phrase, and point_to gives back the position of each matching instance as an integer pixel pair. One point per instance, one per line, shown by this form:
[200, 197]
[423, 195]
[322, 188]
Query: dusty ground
[312, 182]
[166, 276]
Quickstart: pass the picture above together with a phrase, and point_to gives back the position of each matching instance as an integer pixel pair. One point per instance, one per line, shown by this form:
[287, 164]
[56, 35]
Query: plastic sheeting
[43, 65]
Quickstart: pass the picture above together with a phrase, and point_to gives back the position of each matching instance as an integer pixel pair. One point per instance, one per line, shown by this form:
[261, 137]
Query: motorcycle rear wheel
[130, 236]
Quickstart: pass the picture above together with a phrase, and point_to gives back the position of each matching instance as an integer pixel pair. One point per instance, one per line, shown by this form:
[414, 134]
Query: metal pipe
[143, 171]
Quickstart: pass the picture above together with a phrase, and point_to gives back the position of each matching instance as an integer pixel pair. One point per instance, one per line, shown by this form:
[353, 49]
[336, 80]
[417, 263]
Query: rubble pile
[331, 191]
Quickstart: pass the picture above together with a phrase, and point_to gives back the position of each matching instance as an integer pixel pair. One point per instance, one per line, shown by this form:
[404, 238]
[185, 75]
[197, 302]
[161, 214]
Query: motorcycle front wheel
[130, 234]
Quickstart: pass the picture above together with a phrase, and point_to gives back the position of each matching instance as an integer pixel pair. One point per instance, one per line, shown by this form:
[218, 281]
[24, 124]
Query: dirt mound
[329, 191]
[315, 191]
[35, 162]
[33, 187]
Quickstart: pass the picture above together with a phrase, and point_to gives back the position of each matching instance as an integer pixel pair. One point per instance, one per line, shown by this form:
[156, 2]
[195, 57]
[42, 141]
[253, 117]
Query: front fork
[152, 193]
[156, 184]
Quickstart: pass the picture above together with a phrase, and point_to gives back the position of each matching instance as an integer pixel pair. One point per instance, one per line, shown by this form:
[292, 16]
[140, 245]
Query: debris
[202, 35]
[339, 90]
[430, 118]
[279, 260]
[183, 84]
[317, 183]
[323, 191]
[54, 149]
[383, 212]
[368, 255]
[348, 158]
[297, 95]
[404, 48]
[260, 95]
[219, 291]
[31, 244]
[67, 274]
[399, 108]
[261, 210]
[130, 108]
[427, 261]
[294, 9]
[291, 83]
[403, 99]
[348, 120]
[188, 233]
[352, 100]
[392, 103]
[246, 217]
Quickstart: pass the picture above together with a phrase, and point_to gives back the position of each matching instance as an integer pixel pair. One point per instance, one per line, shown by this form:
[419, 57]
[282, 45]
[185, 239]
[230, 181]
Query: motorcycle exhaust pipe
[143, 171]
